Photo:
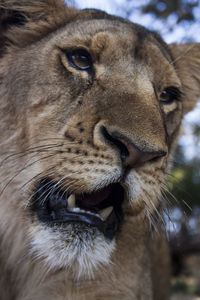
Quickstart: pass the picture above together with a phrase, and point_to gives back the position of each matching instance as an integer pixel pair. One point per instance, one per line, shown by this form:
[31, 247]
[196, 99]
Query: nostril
[131, 156]
[124, 153]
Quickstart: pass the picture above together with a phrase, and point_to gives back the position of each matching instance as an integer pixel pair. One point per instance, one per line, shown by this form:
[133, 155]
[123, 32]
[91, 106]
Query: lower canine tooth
[71, 202]
[104, 213]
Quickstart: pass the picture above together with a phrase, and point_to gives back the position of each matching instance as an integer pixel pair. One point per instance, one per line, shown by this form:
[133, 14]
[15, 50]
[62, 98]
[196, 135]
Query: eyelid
[171, 88]
[175, 91]
[78, 51]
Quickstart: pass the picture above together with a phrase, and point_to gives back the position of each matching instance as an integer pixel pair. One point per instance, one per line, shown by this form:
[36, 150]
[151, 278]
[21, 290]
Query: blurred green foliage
[184, 183]
[180, 286]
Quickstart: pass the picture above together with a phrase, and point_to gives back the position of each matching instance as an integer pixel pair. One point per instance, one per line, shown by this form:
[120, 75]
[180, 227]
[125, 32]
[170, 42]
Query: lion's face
[98, 113]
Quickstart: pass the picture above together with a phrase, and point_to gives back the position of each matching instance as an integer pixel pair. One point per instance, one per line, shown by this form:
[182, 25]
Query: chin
[75, 231]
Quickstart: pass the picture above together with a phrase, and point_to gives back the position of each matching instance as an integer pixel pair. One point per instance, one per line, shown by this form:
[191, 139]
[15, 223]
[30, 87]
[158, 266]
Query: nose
[131, 156]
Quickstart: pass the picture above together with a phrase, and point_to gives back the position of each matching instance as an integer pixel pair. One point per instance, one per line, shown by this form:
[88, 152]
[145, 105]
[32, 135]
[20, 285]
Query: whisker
[186, 204]
[183, 54]
[35, 149]
[38, 175]
[155, 209]
[21, 170]
[47, 187]
[166, 210]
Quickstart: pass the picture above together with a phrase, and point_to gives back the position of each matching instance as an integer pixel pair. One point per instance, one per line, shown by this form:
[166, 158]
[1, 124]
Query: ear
[21, 21]
[186, 59]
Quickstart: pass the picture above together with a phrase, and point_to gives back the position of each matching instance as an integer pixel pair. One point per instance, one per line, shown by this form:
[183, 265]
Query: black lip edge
[71, 216]
[111, 223]
[109, 227]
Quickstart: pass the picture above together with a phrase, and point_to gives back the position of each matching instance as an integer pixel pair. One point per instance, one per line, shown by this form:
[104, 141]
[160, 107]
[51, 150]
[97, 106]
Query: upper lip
[101, 209]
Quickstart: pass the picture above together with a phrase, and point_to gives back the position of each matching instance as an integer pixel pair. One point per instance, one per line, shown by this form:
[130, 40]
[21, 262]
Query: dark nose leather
[131, 156]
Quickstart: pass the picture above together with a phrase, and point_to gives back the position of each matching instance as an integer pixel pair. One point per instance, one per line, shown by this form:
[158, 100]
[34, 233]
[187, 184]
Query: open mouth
[101, 209]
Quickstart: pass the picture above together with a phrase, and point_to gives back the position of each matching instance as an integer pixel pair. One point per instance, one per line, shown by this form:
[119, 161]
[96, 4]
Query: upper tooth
[104, 213]
[71, 201]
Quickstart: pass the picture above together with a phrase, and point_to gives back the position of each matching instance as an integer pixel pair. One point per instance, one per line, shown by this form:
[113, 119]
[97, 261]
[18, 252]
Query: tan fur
[51, 114]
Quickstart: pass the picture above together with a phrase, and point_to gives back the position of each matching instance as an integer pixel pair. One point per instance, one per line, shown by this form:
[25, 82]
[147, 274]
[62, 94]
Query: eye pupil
[165, 96]
[80, 60]
[164, 93]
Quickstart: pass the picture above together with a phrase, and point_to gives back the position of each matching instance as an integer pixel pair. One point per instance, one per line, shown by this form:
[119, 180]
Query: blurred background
[176, 21]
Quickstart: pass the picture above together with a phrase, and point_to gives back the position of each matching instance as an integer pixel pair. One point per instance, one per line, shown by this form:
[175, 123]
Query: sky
[179, 33]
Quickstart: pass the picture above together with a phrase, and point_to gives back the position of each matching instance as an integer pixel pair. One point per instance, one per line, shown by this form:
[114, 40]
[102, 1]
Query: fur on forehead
[25, 21]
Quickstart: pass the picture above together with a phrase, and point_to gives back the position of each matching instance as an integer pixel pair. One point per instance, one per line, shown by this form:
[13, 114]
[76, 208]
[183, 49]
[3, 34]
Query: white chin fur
[77, 247]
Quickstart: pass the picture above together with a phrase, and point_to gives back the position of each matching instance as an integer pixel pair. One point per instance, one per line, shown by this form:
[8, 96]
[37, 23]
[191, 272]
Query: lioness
[91, 107]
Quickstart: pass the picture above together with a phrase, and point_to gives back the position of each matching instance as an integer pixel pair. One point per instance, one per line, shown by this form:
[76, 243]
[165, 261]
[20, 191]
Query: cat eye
[80, 59]
[169, 95]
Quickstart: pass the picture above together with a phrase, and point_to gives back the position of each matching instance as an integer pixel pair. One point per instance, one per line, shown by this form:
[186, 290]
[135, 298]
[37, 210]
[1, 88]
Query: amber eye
[80, 59]
[169, 95]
